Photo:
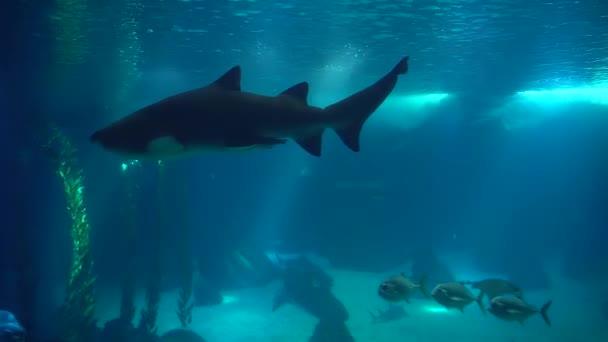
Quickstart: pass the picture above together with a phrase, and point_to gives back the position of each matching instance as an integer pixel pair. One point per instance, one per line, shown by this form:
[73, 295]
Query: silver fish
[513, 309]
[455, 295]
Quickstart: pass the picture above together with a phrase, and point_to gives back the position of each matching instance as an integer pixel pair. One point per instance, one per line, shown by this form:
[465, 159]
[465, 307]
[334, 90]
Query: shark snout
[110, 140]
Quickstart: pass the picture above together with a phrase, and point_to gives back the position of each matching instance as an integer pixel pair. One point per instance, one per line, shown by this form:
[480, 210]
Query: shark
[222, 117]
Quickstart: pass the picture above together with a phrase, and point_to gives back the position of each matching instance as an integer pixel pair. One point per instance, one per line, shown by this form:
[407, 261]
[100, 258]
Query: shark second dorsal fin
[231, 80]
[298, 91]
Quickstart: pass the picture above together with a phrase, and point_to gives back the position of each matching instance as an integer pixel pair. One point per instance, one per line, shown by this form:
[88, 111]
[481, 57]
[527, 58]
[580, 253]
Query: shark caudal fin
[348, 116]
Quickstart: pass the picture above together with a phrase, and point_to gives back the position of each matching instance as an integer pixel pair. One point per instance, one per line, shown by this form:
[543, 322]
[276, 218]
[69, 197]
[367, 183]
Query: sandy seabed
[247, 317]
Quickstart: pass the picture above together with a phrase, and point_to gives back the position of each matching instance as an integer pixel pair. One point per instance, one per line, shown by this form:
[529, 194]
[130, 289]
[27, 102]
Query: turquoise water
[488, 160]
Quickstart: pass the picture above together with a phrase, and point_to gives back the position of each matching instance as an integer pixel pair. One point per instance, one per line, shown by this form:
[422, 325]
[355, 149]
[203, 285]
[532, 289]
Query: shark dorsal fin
[231, 80]
[298, 91]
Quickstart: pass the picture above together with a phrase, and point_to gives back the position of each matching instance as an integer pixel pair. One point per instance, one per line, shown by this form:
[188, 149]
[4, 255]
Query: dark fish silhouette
[494, 287]
[400, 288]
[393, 313]
[515, 309]
[221, 117]
[455, 295]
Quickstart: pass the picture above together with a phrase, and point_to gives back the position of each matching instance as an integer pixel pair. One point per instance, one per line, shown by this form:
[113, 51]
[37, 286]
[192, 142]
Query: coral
[79, 305]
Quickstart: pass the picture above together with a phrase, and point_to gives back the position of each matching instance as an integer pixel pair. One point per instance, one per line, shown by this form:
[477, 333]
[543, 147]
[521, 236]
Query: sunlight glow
[594, 95]
[408, 111]
[424, 99]
[435, 309]
[229, 299]
[125, 166]
[531, 108]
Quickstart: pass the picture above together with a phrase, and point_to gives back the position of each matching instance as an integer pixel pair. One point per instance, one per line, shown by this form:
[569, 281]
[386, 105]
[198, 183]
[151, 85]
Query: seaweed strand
[79, 305]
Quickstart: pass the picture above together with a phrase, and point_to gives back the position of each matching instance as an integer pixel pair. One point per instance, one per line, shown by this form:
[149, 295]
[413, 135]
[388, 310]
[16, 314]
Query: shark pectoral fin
[298, 91]
[311, 144]
[231, 80]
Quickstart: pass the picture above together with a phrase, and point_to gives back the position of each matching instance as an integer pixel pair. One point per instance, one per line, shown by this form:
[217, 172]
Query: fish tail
[543, 312]
[422, 286]
[479, 301]
[347, 117]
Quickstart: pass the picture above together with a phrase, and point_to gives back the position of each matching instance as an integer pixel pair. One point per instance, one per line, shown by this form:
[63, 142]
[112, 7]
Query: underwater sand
[248, 316]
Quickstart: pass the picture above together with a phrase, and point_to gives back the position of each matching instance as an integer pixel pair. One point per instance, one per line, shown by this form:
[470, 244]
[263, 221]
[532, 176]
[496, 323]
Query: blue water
[489, 159]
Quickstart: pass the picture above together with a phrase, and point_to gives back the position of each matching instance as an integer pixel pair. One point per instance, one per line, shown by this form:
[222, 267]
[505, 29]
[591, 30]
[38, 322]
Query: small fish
[494, 287]
[10, 329]
[393, 313]
[515, 309]
[399, 288]
[456, 295]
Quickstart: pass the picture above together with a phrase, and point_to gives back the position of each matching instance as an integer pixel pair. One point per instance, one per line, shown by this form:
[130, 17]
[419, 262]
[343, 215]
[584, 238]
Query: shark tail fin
[479, 301]
[543, 312]
[348, 116]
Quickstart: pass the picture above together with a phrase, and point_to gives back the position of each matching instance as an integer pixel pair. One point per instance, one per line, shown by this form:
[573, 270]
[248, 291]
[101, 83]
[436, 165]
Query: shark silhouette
[221, 117]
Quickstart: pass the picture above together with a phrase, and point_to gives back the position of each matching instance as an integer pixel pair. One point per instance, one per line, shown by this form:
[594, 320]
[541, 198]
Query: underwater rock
[205, 294]
[333, 331]
[181, 335]
[119, 330]
[231, 269]
[308, 286]
[302, 269]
